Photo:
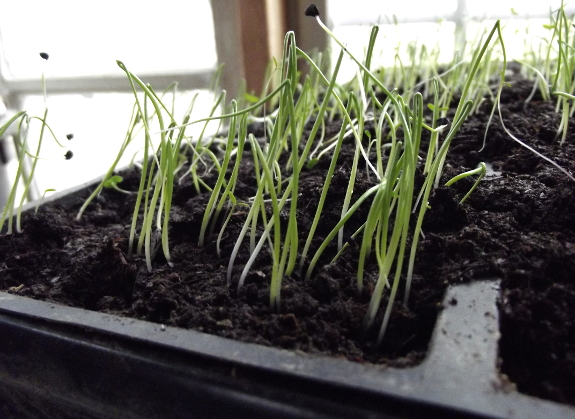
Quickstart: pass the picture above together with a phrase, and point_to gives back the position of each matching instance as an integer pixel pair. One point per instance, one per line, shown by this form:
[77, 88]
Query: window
[433, 24]
[88, 94]
[84, 39]
[162, 42]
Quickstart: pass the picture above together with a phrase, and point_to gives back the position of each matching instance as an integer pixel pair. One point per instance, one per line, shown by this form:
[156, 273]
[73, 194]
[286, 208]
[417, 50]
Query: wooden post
[248, 33]
[309, 35]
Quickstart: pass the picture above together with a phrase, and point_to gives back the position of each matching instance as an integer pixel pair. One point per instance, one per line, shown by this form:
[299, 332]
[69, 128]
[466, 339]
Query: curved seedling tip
[312, 11]
[68, 155]
[69, 136]
[44, 55]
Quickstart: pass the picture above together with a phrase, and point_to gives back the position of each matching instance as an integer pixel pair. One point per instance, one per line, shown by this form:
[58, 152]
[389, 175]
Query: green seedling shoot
[25, 172]
[384, 126]
[480, 170]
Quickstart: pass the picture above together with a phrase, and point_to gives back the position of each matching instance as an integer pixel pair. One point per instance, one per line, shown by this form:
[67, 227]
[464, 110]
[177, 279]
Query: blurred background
[89, 96]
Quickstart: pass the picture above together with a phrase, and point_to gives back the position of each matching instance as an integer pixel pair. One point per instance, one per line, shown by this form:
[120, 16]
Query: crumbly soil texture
[518, 225]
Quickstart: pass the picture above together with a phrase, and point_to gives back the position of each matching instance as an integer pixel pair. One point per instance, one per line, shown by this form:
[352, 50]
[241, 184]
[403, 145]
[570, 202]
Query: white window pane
[99, 123]
[377, 11]
[86, 38]
[407, 23]
[521, 36]
[392, 40]
[492, 8]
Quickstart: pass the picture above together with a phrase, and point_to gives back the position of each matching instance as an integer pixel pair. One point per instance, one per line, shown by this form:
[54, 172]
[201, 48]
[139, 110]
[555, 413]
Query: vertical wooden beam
[309, 35]
[277, 25]
[262, 28]
[248, 33]
[225, 14]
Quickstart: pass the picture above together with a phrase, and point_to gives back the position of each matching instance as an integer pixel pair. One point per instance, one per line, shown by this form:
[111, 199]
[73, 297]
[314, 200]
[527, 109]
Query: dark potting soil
[519, 225]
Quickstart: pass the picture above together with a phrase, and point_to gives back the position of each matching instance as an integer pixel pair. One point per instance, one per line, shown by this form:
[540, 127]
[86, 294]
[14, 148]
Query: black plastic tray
[62, 362]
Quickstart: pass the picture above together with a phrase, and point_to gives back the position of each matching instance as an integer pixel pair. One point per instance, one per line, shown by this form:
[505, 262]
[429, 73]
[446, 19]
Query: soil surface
[519, 225]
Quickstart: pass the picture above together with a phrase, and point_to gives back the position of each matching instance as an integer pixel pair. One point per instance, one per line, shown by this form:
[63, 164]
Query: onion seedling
[290, 121]
[564, 78]
[113, 182]
[480, 170]
[328, 178]
[290, 144]
[216, 203]
[23, 121]
[8, 212]
[42, 199]
[157, 189]
[395, 190]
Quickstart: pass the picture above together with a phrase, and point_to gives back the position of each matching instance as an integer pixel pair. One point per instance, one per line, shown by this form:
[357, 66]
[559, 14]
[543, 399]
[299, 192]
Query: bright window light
[395, 42]
[487, 9]
[86, 38]
[343, 12]
[422, 24]
[99, 124]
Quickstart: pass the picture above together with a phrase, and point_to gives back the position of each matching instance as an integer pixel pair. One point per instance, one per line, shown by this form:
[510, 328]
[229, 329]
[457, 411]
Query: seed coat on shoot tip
[69, 154]
[44, 55]
[312, 11]
[442, 121]
[69, 136]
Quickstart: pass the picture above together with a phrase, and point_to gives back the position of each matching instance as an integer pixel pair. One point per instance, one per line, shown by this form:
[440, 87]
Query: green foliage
[295, 111]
